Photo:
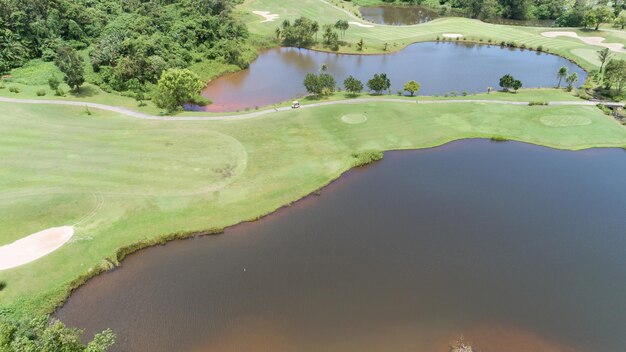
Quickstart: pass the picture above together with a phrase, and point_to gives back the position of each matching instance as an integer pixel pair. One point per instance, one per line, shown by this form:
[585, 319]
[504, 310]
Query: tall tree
[412, 87]
[570, 80]
[72, 65]
[353, 85]
[560, 74]
[603, 56]
[615, 74]
[379, 83]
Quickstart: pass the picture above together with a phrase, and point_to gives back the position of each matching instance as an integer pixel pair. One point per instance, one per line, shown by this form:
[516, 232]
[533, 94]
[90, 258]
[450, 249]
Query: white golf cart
[295, 105]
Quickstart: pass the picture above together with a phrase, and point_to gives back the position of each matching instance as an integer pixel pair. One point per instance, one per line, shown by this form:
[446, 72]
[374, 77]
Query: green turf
[121, 180]
[399, 36]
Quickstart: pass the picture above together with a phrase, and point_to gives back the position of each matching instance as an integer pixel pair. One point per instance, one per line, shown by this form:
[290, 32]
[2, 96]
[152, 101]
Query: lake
[409, 15]
[440, 67]
[519, 248]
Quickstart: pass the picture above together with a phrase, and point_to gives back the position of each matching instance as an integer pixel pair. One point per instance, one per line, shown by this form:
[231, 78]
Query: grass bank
[123, 181]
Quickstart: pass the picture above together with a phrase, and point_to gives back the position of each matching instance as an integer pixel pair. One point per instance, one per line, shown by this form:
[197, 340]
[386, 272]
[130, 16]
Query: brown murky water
[277, 74]
[517, 247]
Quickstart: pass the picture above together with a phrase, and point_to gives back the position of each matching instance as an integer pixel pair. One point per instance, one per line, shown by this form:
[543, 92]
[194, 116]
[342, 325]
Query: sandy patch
[564, 121]
[269, 17]
[33, 247]
[588, 40]
[354, 119]
[452, 35]
[362, 25]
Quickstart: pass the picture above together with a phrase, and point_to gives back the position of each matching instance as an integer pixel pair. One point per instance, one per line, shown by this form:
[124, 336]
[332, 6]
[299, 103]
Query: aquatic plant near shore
[366, 157]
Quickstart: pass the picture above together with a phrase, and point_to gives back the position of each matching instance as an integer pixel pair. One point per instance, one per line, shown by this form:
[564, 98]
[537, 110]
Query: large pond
[519, 248]
[277, 74]
[408, 15]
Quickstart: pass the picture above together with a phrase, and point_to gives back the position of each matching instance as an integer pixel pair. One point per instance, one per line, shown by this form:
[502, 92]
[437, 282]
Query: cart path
[145, 116]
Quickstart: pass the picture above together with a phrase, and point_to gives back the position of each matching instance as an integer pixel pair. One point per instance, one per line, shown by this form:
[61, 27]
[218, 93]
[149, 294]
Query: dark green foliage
[125, 39]
[343, 26]
[353, 85]
[3, 284]
[41, 92]
[54, 83]
[177, 87]
[379, 83]
[14, 89]
[38, 334]
[331, 38]
[322, 84]
[537, 103]
[615, 75]
[299, 34]
[507, 82]
[366, 157]
[71, 65]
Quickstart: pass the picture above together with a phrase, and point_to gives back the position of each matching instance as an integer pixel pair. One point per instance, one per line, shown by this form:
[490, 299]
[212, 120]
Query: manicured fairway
[400, 36]
[119, 180]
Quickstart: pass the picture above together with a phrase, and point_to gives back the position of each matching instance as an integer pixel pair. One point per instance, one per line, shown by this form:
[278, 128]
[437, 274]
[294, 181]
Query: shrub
[14, 89]
[59, 92]
[604, 109]
[200, 100]
[533, 103]
[366, 157]
[499, 139]
[2, 86]
[41, 93]
[3, 285]
[540, 48]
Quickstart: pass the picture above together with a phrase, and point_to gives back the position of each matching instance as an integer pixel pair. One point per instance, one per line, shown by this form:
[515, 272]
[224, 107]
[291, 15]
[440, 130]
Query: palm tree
[603, 55]
[571, 79]
[562, 73]
[323, 68]
[315, 27]
[277, 32]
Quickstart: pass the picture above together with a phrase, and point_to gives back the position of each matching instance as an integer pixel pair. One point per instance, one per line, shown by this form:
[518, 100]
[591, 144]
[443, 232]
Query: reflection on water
[517, 247]
[277, 74]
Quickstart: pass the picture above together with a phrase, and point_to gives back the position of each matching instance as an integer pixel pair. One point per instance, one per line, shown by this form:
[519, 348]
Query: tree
[53, 83]
[322, 84]
[507, 81]
[603, 56]
[300, 33]
[359, 45]
[37, 334]
[516, 9]
[620, 20]
[517, 84]
[138, 89]
[177, 87]
[353, 85]
[323, 68]
[615, 74]
[331, 38]
[412, 87]
[482, 8]
[560, 74]
[379, 83]
[315, 27]
[71, 65]
[602, 14]
[570, 80]
[343, 26]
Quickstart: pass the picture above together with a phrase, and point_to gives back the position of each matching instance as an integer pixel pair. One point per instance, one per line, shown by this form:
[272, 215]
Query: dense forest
[565, 12]
[124, 41]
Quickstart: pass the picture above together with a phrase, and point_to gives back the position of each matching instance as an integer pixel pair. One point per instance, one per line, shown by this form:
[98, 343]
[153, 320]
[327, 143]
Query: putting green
[564, 121]
[354, 119]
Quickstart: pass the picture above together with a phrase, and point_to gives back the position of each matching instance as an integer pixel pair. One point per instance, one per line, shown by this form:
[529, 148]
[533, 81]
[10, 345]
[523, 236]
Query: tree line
[303, 33]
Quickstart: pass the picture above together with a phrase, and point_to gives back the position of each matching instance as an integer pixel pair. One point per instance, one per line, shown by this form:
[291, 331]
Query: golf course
[109, 176]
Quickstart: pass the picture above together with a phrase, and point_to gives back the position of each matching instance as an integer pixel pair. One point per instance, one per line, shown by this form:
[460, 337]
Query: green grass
[399, 36]
[123, 181]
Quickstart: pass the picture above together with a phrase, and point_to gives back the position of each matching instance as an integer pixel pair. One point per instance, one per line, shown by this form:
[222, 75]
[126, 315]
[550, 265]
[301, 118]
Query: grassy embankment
[122, 180]
[398, 37]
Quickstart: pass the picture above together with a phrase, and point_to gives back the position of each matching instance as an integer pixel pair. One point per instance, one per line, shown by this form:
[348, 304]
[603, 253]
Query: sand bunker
[269, 17]
[362, 25]
[588, 40]
[452, 35]
[33, 247]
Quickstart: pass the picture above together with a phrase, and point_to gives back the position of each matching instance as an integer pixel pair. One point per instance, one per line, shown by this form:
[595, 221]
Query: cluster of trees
[324, 84]
[38, 334]
[303, 33]
[570, 79]
[508, 82]
[125, 40]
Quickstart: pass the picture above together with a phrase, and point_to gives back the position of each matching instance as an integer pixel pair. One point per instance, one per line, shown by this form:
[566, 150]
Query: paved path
[141, 115]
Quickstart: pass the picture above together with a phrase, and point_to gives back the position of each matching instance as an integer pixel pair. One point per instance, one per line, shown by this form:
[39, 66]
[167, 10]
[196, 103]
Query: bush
[605, 110]
[540, 48]
[533, 103]
[3, 285]
[41, 93]
[59, 92]
[200, 100]
[366, 157]
[499, 139]
[14, 89]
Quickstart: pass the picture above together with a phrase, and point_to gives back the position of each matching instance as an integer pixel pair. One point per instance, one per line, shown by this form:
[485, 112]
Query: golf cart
[295, 105]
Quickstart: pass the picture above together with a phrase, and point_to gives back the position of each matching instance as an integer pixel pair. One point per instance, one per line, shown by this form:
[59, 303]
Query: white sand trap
[33, 247]
[362, 25]
[269, 17]
[588, 40]
[452, 35]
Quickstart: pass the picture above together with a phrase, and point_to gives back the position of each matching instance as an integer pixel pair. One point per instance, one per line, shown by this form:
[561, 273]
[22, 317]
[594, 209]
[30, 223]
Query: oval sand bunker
[33, 247]
[354, 119]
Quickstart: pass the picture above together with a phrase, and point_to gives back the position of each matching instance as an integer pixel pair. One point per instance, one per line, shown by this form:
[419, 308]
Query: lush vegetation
[124, 43]
[39, 335]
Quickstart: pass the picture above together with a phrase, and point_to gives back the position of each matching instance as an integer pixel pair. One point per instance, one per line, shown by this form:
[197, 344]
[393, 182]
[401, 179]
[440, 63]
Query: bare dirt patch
[452, 35]
[362, 25]
[33, 247]
[599, 41]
